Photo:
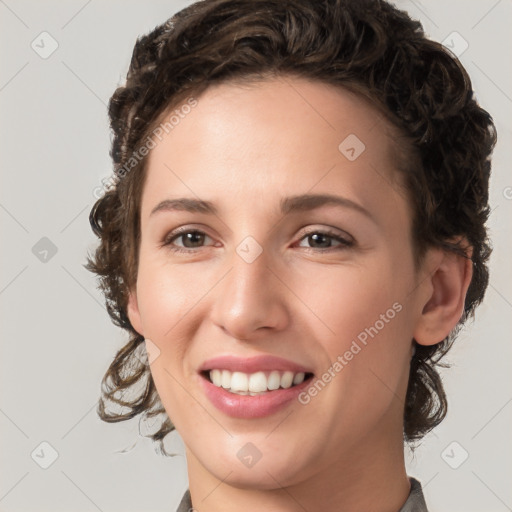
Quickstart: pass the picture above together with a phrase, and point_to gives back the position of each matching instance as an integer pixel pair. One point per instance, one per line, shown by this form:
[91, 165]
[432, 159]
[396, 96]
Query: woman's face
[267, 283]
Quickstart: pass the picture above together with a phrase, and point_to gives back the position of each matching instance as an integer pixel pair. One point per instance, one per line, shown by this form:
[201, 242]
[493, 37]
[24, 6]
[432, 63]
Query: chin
[274, 469]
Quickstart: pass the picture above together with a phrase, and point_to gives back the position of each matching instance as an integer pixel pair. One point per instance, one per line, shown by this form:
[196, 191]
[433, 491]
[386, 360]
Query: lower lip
[246, 406]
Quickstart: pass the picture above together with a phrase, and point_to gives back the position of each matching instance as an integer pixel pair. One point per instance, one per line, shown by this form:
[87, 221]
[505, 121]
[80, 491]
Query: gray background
[56, 337]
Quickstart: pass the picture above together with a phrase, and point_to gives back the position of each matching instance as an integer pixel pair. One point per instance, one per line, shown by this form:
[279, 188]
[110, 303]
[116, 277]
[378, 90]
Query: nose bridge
[250, 274]
[251, 295]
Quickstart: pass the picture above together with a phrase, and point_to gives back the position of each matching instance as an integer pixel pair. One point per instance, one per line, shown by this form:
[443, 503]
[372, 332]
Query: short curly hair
[366, 46]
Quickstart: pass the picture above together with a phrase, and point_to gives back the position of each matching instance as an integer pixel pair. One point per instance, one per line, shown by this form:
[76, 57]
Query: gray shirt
[415, 502]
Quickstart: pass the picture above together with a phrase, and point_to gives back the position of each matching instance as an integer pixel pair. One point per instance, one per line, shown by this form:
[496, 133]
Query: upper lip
[252, 364]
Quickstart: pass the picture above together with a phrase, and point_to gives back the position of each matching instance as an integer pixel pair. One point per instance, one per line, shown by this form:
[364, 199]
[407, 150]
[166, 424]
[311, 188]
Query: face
[280, 322]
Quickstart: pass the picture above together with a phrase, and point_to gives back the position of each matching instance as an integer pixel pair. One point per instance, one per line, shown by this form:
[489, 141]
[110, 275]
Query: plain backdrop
[60, 63]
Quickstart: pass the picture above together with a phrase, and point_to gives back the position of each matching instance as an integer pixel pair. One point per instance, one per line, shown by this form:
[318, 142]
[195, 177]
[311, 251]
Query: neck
[369, 476]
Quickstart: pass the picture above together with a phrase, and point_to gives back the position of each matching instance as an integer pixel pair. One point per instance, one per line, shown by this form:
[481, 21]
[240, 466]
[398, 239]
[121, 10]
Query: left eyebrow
[306, 202]
[291, 204]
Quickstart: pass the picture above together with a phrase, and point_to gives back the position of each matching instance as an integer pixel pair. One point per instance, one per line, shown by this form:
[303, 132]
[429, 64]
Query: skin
[244, 148]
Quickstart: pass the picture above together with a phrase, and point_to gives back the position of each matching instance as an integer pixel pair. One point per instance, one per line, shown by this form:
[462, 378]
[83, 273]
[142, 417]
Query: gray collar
[415, 502]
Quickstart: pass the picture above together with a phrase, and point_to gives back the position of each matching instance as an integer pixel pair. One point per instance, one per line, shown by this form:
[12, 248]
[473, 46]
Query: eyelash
[344, 243]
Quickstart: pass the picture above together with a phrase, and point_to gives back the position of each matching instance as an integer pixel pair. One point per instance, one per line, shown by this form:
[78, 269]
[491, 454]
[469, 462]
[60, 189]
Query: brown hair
[365, 45]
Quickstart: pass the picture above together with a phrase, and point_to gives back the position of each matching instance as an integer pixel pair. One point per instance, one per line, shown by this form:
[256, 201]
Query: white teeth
[255, 383]
[299, 378]
[274, 380]
[287, 380]
[216, 377]
[226, 379]
[239, 382]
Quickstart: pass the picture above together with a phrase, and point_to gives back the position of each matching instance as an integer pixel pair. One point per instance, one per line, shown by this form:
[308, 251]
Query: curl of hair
[366, 46]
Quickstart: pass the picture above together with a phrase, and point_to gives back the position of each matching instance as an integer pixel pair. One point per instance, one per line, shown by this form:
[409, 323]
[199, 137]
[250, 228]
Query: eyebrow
[291, 204]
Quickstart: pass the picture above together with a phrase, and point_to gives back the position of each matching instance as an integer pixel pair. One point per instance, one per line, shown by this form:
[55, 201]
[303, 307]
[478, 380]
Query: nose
[250, 302]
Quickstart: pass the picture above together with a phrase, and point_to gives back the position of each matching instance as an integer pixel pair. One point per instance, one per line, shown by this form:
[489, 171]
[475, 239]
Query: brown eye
[191, 239]
[322, 240]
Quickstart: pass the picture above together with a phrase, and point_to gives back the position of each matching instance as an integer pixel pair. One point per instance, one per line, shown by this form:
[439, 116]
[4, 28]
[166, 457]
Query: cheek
[368, 333]
[354, 303]
[165, 294]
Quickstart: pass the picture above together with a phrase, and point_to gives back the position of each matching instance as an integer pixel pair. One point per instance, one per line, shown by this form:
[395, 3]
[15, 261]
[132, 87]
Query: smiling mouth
[254, 384]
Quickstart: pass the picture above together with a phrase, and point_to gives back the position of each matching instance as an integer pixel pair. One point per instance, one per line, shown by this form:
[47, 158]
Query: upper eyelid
[330, 231]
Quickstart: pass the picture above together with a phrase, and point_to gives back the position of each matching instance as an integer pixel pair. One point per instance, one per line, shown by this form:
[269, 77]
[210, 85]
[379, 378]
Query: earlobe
[133, 311]
[443, 306]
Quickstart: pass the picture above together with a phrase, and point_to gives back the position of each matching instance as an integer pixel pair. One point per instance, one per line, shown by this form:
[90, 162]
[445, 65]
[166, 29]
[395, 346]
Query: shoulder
[416, 501]
[185, 503]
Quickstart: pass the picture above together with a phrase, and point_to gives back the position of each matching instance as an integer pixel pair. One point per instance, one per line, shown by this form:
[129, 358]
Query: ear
[133, 311]
[445, 288]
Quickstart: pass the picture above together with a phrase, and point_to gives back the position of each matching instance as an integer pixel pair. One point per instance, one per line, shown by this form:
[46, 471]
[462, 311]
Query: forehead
[285, 135]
